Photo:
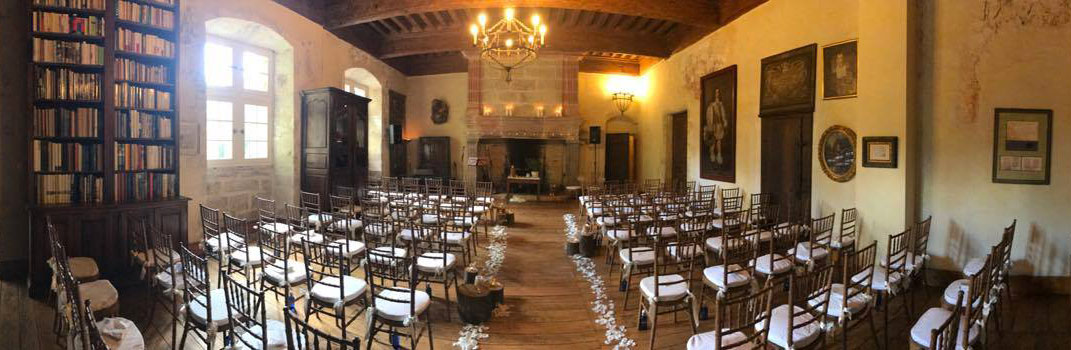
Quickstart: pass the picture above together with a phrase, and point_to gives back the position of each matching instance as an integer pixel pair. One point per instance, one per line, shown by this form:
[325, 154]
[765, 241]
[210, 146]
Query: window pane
[256, 132]
[219, 150]
[256, 149]
[255, 68]
[357, 90]
[219, 65]
[256, 114]
[220, 110]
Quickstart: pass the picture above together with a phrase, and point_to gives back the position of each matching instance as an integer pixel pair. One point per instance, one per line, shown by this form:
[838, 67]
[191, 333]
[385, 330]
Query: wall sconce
[622, 100]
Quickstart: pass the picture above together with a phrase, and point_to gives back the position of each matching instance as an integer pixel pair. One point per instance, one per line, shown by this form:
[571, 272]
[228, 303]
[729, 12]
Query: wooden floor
[547, 307]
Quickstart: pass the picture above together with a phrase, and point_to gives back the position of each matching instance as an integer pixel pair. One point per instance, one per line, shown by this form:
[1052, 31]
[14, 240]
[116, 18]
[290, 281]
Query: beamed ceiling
[421, 37]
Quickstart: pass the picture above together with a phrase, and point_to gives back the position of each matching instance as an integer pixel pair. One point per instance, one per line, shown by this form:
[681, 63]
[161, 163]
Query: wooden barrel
[497, 293]
[572, 248]
[474, 304]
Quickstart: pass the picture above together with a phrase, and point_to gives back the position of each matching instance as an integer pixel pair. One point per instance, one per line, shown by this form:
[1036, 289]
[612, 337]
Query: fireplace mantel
[544, 128]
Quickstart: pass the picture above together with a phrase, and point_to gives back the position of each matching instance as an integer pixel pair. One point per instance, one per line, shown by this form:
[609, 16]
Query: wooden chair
[318, 217]
[434, 263]
[215, 243]
[345, 223]
[245, 257]
[302, 336]
[734, 273]
[889, 277]
[456, 221]
[945, 336]
[916, 266]
[664, 293]
[267, 218]
[687, 252]
[971, 333]
[851, 301]
[776, 263]
[279, 272]
[169, 281]
[248, 316]
[741, 322]
[331, 288]
[301, 229]
[846, 236]
[731, 220]
[729, 193]
[799, 324]
[816, 249]
[637, 256]
[205, 308]
[396, 307]
[345, 232]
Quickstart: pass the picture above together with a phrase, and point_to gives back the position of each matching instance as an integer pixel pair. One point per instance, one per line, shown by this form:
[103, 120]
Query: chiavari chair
[617, 226]
[730, 221]
[169, 282]
[267, 218]
[946, 334]
[302, 336]
[434, 188]
[456, 229]
[248, 317]
[398, 309]
[204, 308]
[741, 322]
[279, 272]
[847, 234]
[298, 218]
[216, 242]
[318, 217]
[652, 186]
[776, 263]
[850, 302]
[331, 288]
[799, 324]
[70, 294]
[637, 255]
[888, 278]
[665, 293]
[815, 250]
[734, 273]
[728, 193]
[702, 202]
[345, 231]
[434, 263]
[687, 252]
[245, 258]
[916, 265]
[971, 332]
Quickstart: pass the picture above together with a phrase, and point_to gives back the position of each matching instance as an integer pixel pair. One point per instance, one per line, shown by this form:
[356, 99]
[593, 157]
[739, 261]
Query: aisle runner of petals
[603, 305]
[470, 334]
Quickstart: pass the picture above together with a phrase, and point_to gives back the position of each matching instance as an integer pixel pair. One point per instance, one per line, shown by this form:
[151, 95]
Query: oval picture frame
[836, 153]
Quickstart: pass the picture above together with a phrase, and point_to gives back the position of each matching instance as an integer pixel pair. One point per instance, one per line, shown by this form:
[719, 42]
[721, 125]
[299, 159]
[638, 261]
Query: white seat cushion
[679, 252]
[764, 235]
[665, 231]
[479, 209]
[351, 225]
[379, 229]
[399, 311]
[100, 293]
[666, 292]
[804, 253]
[456, 237]
[242, 259]
[708, 341]
[606, 221]
[295, 273]
[882, 280]
[715, 243]
[138, 256]
[276, 337]
[353, 288]
[617, 234]
[641, 256]
[309, 235]
[953, 289]
[855, 304]
[716, 276]
[780, 264]
[173, 283]
[911, 261]
[838, 242]
[221, 242]
[801, 336]
[120, 334]
[429, 219]
[467, 221]
[315, 218]
[433, 262]
[974, 266]
[276, 227]
[407, 234]
[597, 211]
[219, 308]
[933, 318]
[348, 248]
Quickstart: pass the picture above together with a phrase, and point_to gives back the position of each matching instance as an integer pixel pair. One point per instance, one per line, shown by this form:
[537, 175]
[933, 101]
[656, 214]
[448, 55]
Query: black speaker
[595, 135]
[395, 132]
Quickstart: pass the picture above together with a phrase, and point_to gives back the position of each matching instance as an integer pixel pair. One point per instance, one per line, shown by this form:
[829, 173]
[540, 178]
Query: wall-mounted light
[622, 100]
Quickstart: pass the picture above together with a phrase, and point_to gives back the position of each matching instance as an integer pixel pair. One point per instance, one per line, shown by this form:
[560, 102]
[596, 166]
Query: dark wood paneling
[679, 140]
[619, 155]
[786, 156]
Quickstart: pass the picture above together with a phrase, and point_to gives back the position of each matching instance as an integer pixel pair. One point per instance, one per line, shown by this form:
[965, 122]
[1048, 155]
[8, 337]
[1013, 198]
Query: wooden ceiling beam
[696, 13]
[562, 39]
[609, 65]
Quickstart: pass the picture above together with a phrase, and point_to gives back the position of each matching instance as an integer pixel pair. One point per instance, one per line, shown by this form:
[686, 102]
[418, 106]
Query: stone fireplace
[531, 123]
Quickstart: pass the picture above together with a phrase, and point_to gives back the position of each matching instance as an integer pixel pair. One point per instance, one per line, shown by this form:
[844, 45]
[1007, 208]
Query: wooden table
[522, 180]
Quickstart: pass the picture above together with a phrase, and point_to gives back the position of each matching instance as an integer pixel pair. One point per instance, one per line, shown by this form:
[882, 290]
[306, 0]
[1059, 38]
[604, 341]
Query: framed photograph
[717, 126]
[836, 153]
[840, 70]
[787, 82]
[880, 151]
[1022, 146]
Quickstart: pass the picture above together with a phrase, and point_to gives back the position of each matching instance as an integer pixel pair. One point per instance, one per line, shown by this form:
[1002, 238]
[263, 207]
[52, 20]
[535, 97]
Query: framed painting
[880, 152]
[787, 82]
[836, 153]
[1022, 146]
[840, 70]
[717, 126]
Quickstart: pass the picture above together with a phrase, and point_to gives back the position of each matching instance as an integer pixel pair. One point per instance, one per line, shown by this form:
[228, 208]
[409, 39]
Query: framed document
[880, 151]
[1022, 146]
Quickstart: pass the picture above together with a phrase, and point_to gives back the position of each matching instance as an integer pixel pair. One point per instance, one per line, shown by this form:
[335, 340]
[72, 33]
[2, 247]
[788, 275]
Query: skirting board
[12, 270]
[1020, 285]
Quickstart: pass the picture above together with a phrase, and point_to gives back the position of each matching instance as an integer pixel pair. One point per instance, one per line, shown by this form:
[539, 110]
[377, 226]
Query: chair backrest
[762, 217]
[96, 341]
[197, 282]
[759, 200]
[822, 231]
[161, 250]
[944, 337]
[274, 253]
[782, 239]
[652, 185]
[322, 260]
[661, 280]
[210, 222]
[342, 214]
[896, 253]
[433, 186]
[922, 236]
[978, 288]
[297, 218]
[1005, 253]
[748, 314]
[373, 204]
[345, 191]
[311, 202]
[729, 192]
[397, 270]
[265, 210]
[847, 223]
[810, 293]
[237, 233]
[302, 336]
[732, 214]
[858, 275]
[247, 313]
[738, 252]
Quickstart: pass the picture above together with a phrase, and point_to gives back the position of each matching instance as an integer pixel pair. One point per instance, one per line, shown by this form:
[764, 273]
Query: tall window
[239, 103]
[357, 89]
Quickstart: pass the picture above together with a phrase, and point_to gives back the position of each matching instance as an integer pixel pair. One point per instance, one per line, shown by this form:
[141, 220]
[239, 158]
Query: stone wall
[537, 84]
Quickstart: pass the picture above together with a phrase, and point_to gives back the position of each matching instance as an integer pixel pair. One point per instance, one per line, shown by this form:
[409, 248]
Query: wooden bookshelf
[99, 228]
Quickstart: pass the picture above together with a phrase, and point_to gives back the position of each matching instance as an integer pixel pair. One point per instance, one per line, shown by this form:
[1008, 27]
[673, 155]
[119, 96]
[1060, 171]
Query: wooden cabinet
[334, 141]
[399, 163]
[434, 157]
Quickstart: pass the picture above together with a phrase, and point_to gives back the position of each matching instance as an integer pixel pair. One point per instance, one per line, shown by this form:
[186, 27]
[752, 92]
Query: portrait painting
[787, 82]
[1022, 146]
[717, 126]
[840, 70]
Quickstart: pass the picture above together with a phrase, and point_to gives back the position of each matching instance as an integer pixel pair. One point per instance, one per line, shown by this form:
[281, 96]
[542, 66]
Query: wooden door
[618, 157]
[398, 159]
[786, 157]
[679, 147]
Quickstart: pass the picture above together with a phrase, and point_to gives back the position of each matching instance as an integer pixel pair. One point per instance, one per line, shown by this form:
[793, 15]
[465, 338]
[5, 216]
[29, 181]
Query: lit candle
[542, 34]
[509, 110]
[475, 33]
[486, 111]
[558, 111]
[483, 20]
[535, 20]
[539, 111]
[509, 14]
[509, 43]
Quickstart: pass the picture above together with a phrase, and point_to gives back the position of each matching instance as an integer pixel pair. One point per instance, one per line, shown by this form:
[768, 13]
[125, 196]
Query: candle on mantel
[487, 111]
[509, 110]
[539, 111]
[558, 111]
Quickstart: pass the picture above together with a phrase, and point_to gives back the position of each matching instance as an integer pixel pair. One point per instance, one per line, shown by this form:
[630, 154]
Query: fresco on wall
[717, 126]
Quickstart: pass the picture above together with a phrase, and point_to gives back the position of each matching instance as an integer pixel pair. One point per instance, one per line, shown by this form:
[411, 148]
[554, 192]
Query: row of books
[51, 22]
[142, 157]
[66, 84]
[55, 156]
[144, 186]
[69, 188]
[145, 14]
[136, 124]
[66, 122]
[127, 95]
[137, 42]
[128, 69]
[74, 4]
[71, 52]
